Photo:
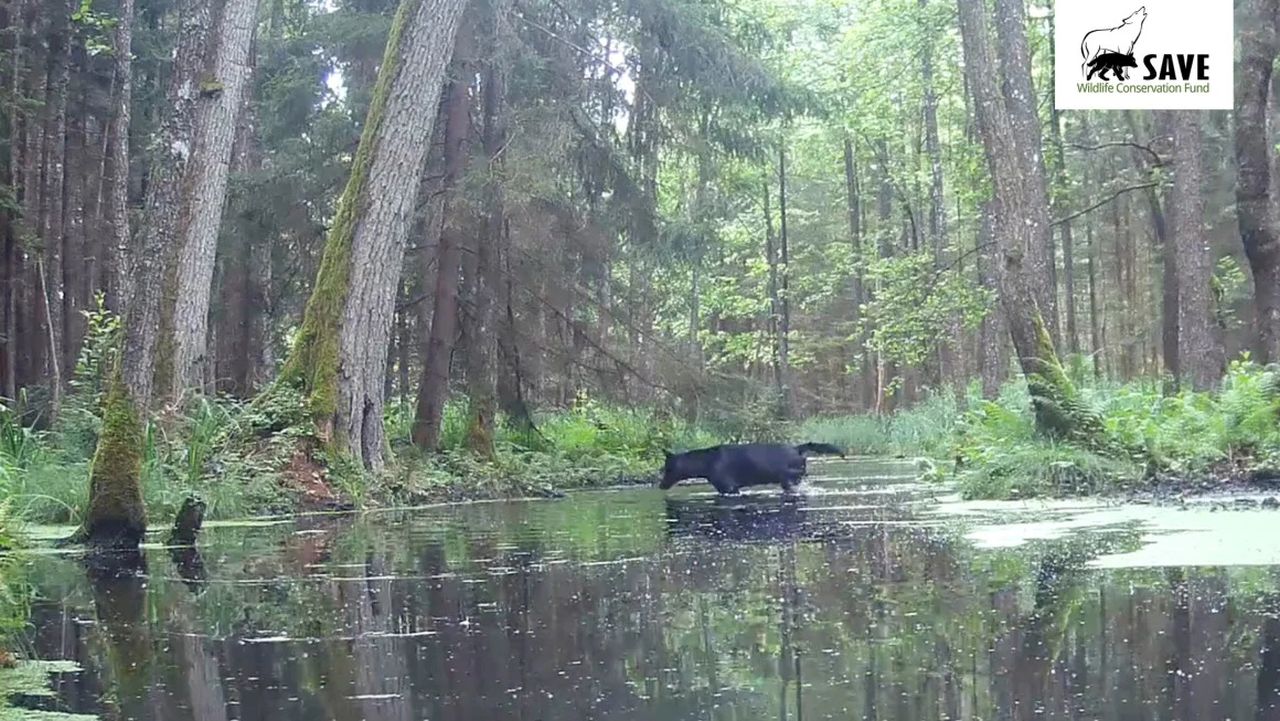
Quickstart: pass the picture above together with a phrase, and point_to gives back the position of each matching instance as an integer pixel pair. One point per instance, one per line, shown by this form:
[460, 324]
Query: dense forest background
[718, 210]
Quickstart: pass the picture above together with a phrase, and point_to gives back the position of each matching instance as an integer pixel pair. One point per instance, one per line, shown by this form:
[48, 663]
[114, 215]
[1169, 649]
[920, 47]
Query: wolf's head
[670, 471]
[1137, 17]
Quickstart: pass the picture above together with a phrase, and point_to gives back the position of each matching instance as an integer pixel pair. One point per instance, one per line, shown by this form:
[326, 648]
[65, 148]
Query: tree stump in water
[187, 525]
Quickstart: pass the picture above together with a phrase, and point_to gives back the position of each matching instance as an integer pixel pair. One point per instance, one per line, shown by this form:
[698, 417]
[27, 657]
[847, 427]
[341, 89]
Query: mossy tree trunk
[1018, 202]
[222, 94]
[117, 518]
[339, 358]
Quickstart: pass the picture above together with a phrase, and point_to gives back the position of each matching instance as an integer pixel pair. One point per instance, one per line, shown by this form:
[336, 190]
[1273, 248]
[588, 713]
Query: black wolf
[732, 467]
[1115, 63]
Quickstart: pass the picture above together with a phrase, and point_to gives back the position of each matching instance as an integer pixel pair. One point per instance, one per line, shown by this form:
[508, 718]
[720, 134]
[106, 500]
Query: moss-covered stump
[187, 525]
[117, 517]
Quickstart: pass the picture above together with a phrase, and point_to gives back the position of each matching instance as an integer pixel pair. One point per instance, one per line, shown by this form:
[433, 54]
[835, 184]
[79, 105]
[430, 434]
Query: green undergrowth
[1179, 441]
[590, 444]
[246, 458]
[1144, 437]
[922, 430]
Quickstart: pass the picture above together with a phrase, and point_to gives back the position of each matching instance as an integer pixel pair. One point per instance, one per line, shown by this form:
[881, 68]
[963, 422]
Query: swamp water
[869, 597]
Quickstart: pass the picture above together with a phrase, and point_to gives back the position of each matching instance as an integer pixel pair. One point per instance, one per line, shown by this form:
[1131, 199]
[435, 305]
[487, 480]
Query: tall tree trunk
[1018, 230]
[33, 335]
[884, 249]
[117, 211]
[775, 301]
[948, 345]
[244, 355]
[1095, 319]
[992, 365]
[80, 172]
[1255, 208]
[1129, 264]
[221, 100]
[1062, 205]
[1200, 354]
[483, 334]
[433, 385]
[511, 376]
[340, 353]
[1168, 252]
[853, 203]
[12, 257]
[156, 245]
[784, 327]
[1021, 103]
[53, 194]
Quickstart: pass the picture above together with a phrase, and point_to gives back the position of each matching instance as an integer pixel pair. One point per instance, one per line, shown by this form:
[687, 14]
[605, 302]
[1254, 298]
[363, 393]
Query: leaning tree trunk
[158, 236]
[433, 385]
[1021, 101]
[340, 354]
[221, 99]
[1018, 233]
[1200, 353]
[1255, 210]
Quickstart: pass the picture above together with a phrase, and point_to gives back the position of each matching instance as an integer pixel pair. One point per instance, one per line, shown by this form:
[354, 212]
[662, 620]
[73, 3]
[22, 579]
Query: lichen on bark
[117, 517]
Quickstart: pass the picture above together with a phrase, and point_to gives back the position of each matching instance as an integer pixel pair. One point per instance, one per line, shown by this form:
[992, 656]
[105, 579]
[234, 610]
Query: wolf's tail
[819, 449]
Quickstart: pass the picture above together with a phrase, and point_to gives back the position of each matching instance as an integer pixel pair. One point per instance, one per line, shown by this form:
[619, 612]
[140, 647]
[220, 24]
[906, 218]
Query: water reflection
[636, 605]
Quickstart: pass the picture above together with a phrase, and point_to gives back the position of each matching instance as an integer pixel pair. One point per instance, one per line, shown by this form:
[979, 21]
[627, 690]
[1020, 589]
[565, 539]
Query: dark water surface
[848, 603]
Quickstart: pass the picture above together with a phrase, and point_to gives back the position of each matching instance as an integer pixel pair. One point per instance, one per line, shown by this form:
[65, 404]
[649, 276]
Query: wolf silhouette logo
[1112, 42]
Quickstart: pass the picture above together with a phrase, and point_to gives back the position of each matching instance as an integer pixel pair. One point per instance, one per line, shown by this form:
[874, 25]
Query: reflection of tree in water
[582, 620]
[120, 602]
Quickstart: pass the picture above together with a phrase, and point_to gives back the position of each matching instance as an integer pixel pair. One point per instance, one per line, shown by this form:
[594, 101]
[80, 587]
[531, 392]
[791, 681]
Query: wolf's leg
[724, 485]
[791, 479]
